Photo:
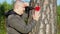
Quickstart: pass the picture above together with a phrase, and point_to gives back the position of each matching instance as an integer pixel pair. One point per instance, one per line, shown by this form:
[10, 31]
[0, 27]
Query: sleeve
[17, 23]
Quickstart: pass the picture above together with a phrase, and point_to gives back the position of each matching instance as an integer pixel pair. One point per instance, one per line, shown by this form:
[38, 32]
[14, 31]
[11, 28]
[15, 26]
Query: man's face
[20, 7]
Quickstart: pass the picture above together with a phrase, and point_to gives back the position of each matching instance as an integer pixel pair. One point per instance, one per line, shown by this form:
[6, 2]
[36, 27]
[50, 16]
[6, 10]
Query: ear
[16, 7]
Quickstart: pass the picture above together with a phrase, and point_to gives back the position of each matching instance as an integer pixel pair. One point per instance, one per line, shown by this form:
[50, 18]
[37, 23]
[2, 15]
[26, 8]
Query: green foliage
[58, 14]
[58, 19]
[4, 7]
[58, 10]
[13, 3]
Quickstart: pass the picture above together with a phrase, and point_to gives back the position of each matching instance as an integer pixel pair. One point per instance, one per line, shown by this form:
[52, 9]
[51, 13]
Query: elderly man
[16, 19]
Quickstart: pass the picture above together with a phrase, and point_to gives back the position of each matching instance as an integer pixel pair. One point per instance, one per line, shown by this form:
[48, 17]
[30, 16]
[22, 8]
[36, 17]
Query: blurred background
[6, 5]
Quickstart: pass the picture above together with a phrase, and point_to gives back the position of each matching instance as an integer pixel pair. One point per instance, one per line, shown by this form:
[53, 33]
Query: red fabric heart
[37, 8]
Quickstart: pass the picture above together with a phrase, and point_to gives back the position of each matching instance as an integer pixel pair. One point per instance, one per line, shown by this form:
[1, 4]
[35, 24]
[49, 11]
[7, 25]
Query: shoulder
[13, 16]
[8, 12]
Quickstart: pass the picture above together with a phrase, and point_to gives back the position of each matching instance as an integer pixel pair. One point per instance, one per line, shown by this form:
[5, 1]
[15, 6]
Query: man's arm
[16, 22]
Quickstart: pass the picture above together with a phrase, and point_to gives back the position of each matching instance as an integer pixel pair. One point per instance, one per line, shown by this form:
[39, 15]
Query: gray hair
[17, 3]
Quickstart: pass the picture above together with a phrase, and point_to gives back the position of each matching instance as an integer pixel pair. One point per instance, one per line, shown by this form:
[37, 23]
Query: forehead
[18, 3]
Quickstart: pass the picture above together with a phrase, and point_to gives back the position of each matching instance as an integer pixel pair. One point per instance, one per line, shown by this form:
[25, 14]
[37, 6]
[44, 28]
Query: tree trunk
[47, 21]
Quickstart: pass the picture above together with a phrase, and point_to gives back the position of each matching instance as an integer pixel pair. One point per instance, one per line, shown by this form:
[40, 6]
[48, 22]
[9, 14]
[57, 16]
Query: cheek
[21, 9]
[24, 9]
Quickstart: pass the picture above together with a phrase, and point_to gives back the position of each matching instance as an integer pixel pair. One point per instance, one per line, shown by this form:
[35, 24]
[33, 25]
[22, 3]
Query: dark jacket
[16, 23]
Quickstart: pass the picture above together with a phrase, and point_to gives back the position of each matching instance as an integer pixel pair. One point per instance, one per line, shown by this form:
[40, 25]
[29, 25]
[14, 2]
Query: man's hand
[36, 16]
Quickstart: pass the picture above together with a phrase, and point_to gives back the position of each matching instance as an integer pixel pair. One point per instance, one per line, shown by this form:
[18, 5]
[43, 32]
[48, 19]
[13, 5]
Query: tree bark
[47, 21]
